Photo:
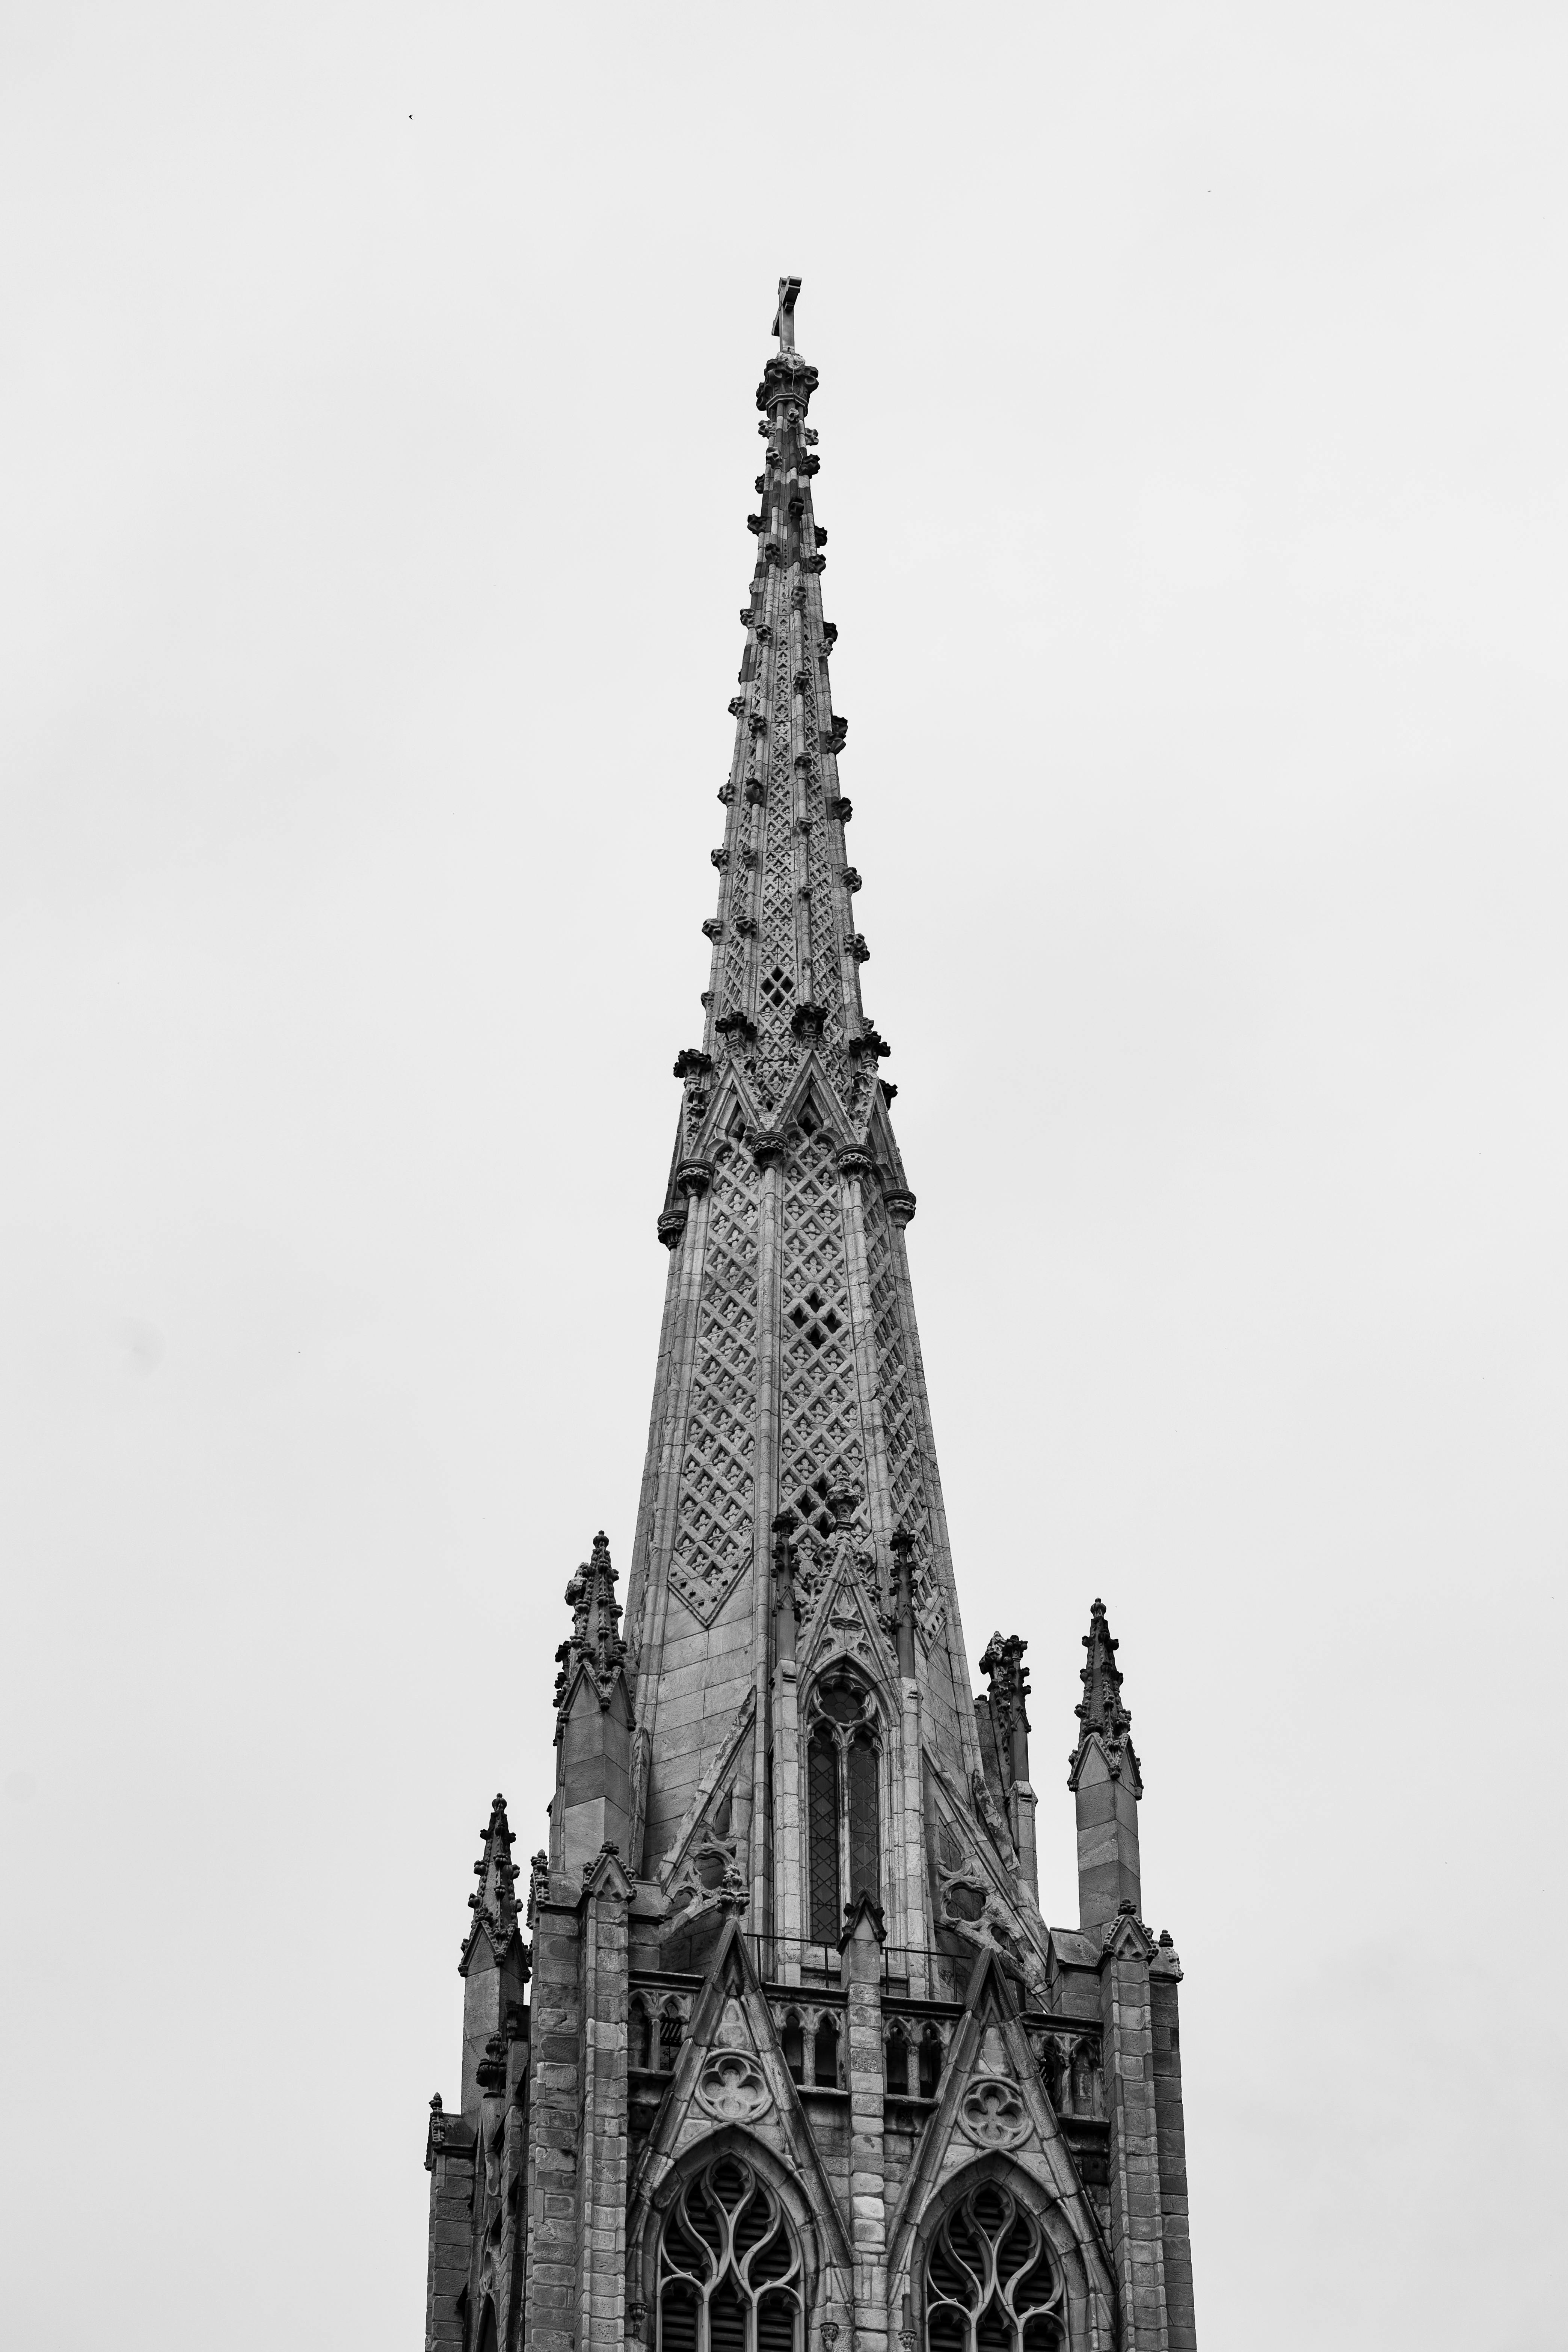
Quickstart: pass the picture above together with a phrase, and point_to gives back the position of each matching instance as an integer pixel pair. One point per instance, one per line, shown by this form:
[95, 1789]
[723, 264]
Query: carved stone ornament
[841, 808]
[732, 2087]
[756, 791]
[992, 2113]
[714, 929]
[854, 1160]
[694, 1176]
[726, 794]
[769, 1145]
[851, 880]
[899, 1203]
[671, 1226]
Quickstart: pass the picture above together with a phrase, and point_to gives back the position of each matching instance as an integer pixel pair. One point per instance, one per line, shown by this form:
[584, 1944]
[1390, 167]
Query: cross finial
[783, 317]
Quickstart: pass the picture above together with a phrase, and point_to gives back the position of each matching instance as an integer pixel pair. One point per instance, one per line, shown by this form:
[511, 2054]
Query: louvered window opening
[728, 2272]
[991, 2284]
[843, 1840]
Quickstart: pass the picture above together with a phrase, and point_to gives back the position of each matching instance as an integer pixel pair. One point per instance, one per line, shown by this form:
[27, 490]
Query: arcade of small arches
[655, 2031]
[811, 2038]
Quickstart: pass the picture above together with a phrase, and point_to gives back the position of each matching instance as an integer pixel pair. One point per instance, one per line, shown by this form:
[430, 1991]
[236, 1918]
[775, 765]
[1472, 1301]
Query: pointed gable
[730, 2076]
[993, 2106]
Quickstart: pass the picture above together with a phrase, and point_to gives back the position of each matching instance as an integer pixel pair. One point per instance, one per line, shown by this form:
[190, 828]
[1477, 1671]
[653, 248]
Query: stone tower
[800, 2059]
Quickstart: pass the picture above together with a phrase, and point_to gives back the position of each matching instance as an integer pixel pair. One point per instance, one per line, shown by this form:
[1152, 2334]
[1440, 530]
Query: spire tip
[783, 317]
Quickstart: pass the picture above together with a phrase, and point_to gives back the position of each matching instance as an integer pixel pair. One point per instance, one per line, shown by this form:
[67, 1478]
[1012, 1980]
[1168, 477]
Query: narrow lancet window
[827, 1905]
[844, 1838]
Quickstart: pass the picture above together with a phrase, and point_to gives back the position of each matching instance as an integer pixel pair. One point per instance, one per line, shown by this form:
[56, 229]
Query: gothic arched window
[729, 2272]
[991, 2282]
[843, 1766]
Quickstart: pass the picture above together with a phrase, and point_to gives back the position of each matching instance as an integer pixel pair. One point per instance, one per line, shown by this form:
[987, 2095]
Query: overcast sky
[378, 436]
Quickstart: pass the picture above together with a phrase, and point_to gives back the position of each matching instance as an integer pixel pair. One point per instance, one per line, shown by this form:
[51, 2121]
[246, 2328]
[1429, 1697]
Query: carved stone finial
[863, 1919]
[842, 1499]
[494, 1904]
[806, 1022]
[1100, 1712]
[783, 317]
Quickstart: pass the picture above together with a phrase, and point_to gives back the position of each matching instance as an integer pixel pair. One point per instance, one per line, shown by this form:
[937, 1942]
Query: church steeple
[801, 2059]
[790, 1364]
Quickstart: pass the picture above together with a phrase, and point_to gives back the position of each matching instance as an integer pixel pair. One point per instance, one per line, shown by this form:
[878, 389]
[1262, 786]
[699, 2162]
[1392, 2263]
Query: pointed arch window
[729, 2270]
[991, 2282]
[842, 1779]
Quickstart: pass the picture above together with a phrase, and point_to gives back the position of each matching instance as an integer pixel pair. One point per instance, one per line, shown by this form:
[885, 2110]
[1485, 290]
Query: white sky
[378, 426]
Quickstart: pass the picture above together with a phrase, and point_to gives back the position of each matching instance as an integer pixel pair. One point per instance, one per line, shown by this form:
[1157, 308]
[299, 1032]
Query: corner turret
[592, 1804]
[1105, 1782]
[493, 1964]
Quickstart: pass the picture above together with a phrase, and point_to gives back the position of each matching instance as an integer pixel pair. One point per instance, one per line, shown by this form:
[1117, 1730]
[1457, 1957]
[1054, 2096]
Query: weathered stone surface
[782, 1981]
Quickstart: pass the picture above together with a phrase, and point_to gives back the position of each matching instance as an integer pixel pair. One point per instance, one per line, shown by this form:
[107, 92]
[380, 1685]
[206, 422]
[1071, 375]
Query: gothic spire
[785, 977]
[789, 1373]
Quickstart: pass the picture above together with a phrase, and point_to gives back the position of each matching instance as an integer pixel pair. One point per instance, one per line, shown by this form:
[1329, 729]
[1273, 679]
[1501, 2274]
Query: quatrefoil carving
[992, 2113]
[732, 2087]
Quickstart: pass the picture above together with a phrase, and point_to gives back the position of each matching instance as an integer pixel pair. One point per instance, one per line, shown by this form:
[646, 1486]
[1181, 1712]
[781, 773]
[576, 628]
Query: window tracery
[991, 2284]
[843, 1803]
[729, 2270]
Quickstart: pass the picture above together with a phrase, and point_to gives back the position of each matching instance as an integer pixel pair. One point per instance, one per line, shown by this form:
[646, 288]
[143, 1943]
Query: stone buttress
[790, 2054]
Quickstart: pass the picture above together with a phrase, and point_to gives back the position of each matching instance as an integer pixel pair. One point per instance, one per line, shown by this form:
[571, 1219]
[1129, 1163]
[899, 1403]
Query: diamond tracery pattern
[775, 1047]
[820, 1441]
[713, 1517]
